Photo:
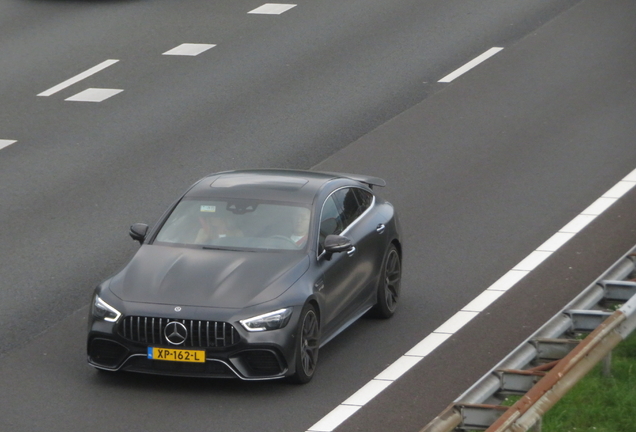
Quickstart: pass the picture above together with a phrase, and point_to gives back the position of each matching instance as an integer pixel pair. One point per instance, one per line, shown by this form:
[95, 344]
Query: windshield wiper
[225, 248]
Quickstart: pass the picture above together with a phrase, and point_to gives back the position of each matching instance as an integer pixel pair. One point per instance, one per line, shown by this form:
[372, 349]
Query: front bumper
[250, 363]
[241, 354]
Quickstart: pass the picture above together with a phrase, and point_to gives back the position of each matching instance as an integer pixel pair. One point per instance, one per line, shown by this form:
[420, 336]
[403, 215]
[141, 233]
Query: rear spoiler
[368, 180]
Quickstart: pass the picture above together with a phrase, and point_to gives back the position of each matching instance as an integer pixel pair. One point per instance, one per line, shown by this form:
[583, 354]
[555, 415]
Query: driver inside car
[214, 226]
[300, 226]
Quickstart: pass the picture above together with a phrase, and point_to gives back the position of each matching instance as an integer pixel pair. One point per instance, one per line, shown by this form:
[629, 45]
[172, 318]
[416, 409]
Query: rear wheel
[389, 284]
[307, 343]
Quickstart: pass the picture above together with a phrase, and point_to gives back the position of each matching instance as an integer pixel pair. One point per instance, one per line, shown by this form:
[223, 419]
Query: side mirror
[337, 244]
[138, 232]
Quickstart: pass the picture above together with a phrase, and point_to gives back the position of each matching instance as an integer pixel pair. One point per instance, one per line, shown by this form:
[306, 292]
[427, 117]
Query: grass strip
[598, 403]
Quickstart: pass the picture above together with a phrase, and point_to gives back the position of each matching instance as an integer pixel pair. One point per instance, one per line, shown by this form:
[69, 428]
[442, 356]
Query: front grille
[201, 334]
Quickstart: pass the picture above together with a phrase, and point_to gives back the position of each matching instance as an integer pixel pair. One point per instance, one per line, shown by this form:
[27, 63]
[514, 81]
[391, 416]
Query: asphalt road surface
[483, 170]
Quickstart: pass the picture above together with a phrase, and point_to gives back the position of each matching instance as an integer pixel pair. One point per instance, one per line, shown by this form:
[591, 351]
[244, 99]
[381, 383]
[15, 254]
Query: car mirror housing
[337, 244]
[138, 232]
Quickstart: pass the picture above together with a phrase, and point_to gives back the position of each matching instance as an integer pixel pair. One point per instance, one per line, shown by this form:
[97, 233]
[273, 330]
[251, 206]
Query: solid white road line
[398, 368]
[189, 49]
[334, 418]
[94, 95]
[272, 9]
[471, 64]
[508, 280]
[368, 392]
[6, 143]
[577, 224]
[428, 344]
[77, 78]
[483, 300]
[555, 242]
[455, 323]
[532, 261]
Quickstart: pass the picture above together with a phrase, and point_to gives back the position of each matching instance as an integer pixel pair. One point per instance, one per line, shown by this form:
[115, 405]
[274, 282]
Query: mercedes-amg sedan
[247, 275]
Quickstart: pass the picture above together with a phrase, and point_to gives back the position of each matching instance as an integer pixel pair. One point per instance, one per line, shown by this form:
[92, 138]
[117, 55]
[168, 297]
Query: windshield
[236, 224]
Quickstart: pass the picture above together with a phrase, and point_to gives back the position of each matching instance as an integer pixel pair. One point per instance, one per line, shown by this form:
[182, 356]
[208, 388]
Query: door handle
[351, 251]
[380, 229]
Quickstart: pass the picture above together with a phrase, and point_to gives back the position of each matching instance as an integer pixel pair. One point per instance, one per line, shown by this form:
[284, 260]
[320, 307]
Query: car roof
[271, 184]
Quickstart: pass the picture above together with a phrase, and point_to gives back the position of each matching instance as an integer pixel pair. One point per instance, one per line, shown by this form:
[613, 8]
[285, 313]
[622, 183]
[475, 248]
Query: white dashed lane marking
[77, 78]
[185, 49]
[189, 49]
[94, 95]
[272, 9]
[6, 143]
[471, 64]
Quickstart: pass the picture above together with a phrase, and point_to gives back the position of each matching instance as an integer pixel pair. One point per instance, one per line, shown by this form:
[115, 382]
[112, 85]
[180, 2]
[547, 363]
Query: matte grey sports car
[247, 275]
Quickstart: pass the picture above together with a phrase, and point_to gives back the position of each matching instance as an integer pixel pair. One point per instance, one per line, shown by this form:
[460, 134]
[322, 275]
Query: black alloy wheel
[307, 343]
[389, 284]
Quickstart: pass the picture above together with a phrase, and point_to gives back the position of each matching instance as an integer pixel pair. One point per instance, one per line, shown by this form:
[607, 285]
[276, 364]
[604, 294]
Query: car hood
[208, 278]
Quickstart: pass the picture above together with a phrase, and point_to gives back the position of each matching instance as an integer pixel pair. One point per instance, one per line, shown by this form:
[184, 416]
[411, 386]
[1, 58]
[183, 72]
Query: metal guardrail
[545, 366]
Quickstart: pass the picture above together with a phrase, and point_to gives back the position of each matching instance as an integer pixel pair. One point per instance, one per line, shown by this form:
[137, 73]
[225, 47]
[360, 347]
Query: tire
[389, 284]
[307, 343]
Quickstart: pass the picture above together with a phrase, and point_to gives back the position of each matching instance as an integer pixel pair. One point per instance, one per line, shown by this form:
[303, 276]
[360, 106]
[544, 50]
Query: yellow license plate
[179, 355]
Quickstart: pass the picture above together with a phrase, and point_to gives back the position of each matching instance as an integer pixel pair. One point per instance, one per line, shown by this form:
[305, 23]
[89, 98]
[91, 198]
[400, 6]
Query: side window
[348, 204]
[341, 209]
[365, 199]
[330, 220]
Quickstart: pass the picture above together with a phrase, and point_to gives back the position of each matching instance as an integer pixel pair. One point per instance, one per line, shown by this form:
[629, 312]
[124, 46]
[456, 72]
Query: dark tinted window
[348, 205]
[365, 199]
[330, 221]
[342, 208]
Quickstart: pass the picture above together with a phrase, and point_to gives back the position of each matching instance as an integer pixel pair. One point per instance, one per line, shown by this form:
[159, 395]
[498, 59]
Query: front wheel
[307, 343]
[389, 284]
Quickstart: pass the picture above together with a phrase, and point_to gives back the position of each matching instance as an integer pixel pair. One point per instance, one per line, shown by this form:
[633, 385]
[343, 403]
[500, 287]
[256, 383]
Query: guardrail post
[537, 426]
[606, 369]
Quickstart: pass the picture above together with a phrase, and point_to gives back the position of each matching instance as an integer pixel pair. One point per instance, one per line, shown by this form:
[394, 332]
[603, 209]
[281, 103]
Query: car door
[363, 227]
[343, 274]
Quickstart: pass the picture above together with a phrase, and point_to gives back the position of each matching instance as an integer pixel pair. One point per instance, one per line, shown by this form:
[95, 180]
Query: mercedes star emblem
[175, 333]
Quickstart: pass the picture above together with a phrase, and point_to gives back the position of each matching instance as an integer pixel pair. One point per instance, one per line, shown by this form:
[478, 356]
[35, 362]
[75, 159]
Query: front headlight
[103, 310]
[269, 321]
